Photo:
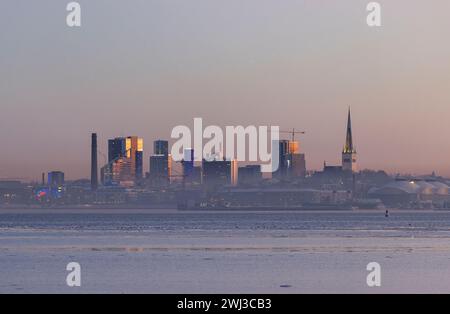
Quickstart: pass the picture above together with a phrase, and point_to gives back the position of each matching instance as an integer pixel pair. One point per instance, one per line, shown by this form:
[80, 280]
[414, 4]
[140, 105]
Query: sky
[142, 67]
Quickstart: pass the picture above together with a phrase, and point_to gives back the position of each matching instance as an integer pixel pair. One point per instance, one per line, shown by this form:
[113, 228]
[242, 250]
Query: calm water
[427, 221]
[172, 252]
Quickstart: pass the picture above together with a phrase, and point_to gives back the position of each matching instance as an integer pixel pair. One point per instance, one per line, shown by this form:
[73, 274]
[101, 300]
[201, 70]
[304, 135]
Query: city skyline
[146, 68]
[103, 157]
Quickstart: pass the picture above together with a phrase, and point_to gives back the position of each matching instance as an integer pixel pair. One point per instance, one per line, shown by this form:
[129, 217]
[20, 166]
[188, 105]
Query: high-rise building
[292, 163]
[139, 165]
[160, 163]
[191, 173]
[161, 147]
[159, 170]
[134, 151]
[349, 156]
[283, 160]
[116, 148]
[188, 162]
[94, 163]
[125, 160]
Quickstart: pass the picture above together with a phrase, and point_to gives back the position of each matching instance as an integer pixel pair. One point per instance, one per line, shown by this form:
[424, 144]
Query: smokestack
[94, 170]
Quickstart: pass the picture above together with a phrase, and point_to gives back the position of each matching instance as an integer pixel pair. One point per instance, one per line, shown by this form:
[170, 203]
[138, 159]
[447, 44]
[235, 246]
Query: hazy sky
[140, 67]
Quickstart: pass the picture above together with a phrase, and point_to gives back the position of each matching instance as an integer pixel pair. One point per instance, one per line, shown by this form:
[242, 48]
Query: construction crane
[293, 132]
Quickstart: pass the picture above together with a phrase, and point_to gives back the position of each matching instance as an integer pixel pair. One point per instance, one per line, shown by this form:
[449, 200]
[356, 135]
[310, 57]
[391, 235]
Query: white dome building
[407, 191]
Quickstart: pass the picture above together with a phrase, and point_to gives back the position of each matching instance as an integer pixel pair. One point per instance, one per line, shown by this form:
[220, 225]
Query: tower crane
[293, 132]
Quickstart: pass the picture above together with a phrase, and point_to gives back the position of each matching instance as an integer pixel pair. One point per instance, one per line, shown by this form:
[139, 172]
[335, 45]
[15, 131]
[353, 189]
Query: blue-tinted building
[188, 162]
[161, 147]
[55, 179]
[116, 148]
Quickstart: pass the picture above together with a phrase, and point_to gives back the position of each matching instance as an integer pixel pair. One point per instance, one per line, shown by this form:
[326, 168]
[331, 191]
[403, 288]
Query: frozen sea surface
[126, 251]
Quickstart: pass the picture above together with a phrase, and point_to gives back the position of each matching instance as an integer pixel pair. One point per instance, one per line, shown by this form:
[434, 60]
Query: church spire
[348, 148]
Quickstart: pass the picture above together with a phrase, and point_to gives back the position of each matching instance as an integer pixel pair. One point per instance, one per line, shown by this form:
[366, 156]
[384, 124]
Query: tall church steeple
[349, 152]
[348, 148]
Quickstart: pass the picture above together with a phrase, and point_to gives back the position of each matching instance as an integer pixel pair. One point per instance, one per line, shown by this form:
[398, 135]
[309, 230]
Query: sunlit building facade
[234, 172]
[292, 163]
[125, 161]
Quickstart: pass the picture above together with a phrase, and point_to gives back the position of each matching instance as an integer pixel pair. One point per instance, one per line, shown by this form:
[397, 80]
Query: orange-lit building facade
[125, 164]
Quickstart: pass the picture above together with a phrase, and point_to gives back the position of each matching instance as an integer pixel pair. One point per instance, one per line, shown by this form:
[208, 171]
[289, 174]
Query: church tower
[349, 152]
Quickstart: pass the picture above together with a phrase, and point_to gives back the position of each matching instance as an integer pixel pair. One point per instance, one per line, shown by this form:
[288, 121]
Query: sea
[167, 251]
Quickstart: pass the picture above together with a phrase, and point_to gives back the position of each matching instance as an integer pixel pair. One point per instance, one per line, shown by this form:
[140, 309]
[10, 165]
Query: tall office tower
[292, 163]
[55, 178]
[139, 165]
[116, 148]
[125, 160]
[283, 159]
[161, 147]
[188, 162]
[159, 170]
[349, 153]
[160, 163]
[94, 164]
[134, 151]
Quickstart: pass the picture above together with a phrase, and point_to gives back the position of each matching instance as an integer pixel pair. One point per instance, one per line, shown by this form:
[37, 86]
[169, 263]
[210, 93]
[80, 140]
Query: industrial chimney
[94, 170]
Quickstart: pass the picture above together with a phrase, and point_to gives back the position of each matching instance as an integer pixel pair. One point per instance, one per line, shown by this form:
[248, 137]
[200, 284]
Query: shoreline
[174, 210]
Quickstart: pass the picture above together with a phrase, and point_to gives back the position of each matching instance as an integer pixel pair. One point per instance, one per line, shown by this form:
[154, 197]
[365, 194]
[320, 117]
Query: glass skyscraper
[125, 160]
[161, 147]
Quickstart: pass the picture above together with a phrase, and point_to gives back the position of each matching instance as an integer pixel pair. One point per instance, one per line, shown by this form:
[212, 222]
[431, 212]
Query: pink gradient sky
[142, 68]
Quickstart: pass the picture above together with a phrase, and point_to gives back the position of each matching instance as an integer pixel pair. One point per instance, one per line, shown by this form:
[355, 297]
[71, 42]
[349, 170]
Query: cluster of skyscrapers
[124, 166]
[125, 161]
